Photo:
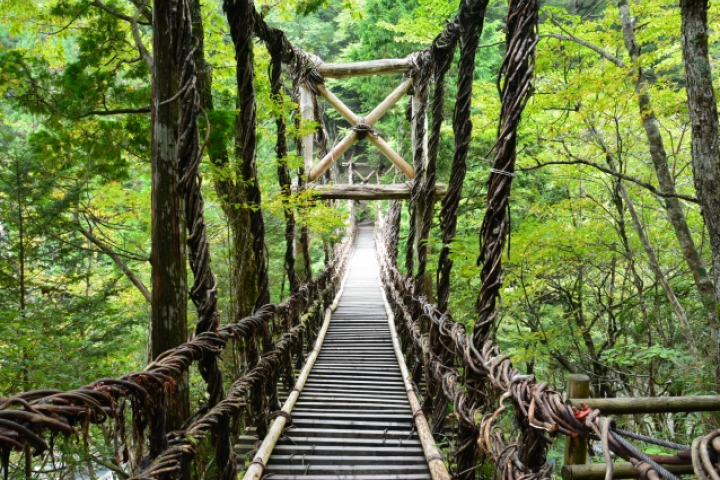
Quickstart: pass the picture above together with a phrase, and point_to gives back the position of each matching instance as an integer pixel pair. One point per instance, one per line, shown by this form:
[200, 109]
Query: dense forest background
[608, 268]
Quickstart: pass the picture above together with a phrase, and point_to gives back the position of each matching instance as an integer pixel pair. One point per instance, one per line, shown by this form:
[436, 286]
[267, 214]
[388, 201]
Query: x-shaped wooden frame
[352, 137]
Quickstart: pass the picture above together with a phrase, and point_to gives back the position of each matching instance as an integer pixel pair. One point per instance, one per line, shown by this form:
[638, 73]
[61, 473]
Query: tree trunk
[675, 213]
[702, 109]
[636, 278]
[168, 326]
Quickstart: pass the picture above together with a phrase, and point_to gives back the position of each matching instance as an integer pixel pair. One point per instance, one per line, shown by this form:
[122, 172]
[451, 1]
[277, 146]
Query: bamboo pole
[434, 458]
[576, 448]
[372, 67]
[255, 470]
[379, 142]
[352, 137]
[369, 191]
[618, 406]
[596, 471]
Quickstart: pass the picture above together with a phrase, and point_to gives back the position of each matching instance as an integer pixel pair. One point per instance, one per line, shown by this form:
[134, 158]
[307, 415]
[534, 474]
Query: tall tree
[168, 257]
[703, 112]
[675, 213]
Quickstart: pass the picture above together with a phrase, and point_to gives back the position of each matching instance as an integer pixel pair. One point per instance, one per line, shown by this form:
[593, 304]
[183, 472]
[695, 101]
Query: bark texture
[702, 108]
[168, 326]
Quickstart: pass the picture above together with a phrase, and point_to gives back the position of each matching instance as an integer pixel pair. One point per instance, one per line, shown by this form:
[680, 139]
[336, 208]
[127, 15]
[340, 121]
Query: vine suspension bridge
[370, 373]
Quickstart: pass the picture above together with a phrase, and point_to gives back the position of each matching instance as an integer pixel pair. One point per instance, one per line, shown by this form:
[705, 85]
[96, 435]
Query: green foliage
[579, 295]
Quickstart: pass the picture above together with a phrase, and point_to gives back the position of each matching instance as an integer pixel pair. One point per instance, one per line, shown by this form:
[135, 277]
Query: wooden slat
[352, 418]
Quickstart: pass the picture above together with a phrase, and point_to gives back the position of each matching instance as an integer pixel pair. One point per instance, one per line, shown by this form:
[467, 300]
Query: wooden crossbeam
[352, 137]
[369, 192]
[357, 69]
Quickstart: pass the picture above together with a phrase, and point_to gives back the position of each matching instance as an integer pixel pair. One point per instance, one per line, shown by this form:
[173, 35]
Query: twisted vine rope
[242, 21]
[471, 17]
[540, 413]
[275, 46]
[419, 205]
[203, 292]
[515, 85]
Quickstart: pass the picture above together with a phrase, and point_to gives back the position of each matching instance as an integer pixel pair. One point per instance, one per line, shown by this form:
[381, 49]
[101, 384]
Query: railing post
[578, 386]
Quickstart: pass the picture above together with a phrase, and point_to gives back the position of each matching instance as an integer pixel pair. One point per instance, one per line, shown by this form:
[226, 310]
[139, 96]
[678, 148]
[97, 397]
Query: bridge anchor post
[578, 386]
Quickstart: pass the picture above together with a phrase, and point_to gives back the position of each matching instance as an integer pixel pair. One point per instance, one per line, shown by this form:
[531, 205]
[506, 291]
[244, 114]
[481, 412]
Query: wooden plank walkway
[353, 420]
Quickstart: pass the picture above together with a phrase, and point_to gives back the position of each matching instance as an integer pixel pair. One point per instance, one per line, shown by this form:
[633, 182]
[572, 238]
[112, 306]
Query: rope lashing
[502, 172]
[305, 71]
[363, 129]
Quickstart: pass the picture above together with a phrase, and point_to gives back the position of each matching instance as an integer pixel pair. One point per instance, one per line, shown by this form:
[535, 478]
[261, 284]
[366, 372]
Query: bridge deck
[353, 420]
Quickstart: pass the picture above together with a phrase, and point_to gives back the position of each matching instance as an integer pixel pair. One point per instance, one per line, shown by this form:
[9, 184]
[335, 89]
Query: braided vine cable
[241, 18]
[304, 72]
[203, 292]
[471, 16]
[281, 150]
[515, 86]
[418, 199]
[653, 440]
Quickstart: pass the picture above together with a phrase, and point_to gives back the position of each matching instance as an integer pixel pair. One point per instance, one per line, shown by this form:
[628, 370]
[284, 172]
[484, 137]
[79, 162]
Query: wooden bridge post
[307, 112]
[578, 386]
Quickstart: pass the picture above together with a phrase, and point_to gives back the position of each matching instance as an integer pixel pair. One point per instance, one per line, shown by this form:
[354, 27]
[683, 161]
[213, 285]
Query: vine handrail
[540, 412]
[26, 416]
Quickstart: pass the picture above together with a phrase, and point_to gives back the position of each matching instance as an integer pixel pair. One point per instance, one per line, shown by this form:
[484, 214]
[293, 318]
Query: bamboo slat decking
[352, 419]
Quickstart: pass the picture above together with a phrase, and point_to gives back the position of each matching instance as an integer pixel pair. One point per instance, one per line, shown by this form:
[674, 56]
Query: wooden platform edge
[435, 460]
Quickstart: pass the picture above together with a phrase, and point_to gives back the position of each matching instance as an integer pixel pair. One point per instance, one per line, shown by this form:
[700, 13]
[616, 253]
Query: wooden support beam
[369, 191]
[379, 142]
[596, 471]
[620, 406]
[372, 67]
[352, 137]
